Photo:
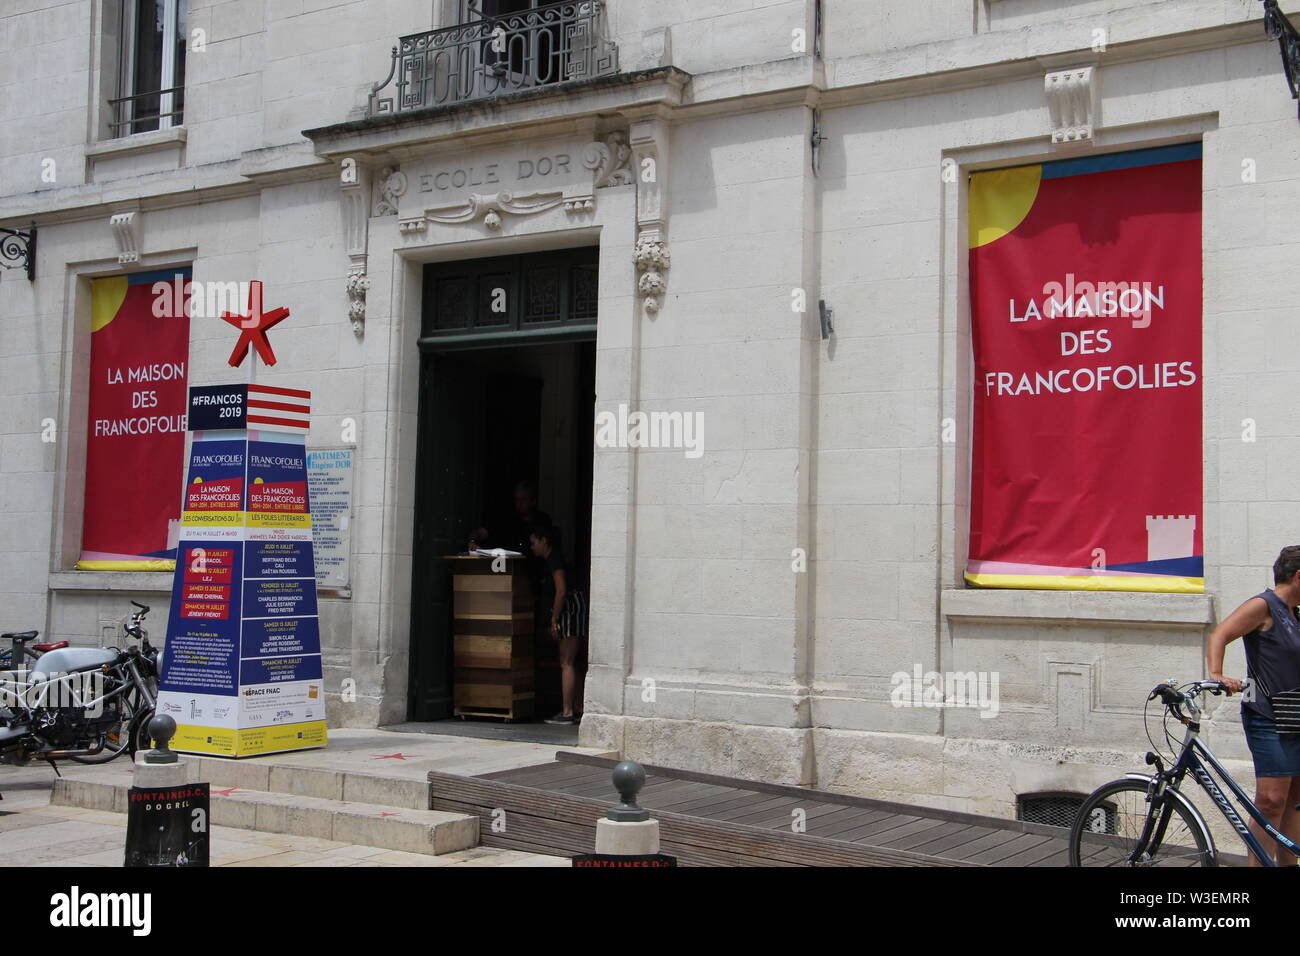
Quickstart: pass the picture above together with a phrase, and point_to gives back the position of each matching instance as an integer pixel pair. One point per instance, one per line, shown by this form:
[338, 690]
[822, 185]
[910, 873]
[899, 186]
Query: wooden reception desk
[492, 627]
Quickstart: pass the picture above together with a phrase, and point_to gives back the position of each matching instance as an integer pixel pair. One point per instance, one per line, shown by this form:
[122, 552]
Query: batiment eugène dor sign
[329, 485]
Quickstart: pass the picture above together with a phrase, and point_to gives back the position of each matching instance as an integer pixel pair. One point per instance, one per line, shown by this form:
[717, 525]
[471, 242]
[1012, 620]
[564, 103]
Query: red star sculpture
[254, 326]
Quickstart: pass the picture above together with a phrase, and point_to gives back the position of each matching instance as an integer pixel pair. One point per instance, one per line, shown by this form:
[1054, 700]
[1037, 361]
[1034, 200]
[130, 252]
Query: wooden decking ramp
[707, 820]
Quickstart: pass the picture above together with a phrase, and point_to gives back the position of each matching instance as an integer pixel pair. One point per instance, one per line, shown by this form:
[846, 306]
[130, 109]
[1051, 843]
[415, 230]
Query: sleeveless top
[1273, 661]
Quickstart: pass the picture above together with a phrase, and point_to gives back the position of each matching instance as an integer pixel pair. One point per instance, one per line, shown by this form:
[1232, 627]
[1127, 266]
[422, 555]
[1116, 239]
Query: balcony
[496, 55]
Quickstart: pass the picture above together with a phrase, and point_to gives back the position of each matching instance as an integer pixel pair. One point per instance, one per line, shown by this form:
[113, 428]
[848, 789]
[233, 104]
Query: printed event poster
[329, 476]
[135, 432]
[1085, 279]
[242, 668]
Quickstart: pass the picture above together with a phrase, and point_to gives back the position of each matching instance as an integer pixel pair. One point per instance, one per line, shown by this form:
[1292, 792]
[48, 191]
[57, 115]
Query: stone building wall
[709, 650]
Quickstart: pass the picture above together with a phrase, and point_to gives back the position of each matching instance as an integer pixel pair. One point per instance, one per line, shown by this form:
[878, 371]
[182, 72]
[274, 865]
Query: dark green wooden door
[479, 433]
[449, 494]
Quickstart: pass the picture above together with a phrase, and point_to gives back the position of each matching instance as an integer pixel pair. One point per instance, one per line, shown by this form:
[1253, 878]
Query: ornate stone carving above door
[649, 145]
[390, 186]
[652, 261]
[491, 208]
[611, 158]
[354, 204]
[358, 285]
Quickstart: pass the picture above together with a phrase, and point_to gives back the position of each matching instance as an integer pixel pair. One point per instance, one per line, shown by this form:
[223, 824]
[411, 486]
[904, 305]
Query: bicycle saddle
[20, 635]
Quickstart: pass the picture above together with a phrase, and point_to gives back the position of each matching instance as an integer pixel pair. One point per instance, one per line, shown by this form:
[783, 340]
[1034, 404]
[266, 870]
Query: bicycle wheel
[117, 741]
[138, 736]
[1112, 823]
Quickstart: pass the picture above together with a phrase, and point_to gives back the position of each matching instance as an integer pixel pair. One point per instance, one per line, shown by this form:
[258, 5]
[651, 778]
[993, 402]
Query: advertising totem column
[241, 671]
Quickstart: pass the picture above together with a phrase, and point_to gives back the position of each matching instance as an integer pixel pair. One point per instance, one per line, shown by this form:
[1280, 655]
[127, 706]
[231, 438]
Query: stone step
[413, 830]
[267, 775]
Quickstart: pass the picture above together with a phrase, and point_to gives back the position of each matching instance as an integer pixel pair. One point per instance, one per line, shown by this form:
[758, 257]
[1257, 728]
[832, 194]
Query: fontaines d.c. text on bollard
[167, 816]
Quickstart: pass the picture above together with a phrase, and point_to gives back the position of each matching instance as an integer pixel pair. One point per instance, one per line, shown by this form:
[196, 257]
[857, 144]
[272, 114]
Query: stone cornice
[212, 182]
[525, 113]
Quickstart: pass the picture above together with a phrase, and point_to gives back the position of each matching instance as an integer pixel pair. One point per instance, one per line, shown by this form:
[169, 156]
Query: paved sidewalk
[35, 833]
[71, 836]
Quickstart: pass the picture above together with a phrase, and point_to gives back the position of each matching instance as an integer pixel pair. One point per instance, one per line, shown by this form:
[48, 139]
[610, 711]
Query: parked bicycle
[137, 699]
[1146, 820]
[21, 651]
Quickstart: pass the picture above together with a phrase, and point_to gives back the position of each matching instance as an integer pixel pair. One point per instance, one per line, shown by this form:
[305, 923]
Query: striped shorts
[573, 616]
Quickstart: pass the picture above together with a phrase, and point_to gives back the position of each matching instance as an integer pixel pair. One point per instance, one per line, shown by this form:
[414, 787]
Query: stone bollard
[160, 767]
[627, 829]
[167, 816]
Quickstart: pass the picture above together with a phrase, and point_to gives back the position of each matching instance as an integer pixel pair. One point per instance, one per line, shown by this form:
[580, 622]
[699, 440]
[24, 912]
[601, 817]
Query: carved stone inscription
[523, 171]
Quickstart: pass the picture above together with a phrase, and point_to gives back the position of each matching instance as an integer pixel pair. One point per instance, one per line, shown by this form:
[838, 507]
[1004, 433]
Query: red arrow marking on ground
[226, 793]
[397, 756]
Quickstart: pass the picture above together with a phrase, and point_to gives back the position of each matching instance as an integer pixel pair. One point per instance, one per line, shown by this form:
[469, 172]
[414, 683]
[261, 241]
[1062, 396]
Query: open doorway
[512, 406]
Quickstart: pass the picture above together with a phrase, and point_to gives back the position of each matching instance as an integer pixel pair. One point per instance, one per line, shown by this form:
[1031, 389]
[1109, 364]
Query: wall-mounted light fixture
[18, 250]
[827, 316]
[1280, 29]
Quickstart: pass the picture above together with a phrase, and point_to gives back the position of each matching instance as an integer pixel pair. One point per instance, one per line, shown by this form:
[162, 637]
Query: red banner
[1086, 331]
[135, 433]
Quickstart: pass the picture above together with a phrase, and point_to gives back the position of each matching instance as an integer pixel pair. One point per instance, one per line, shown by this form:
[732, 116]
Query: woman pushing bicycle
[1270, 708]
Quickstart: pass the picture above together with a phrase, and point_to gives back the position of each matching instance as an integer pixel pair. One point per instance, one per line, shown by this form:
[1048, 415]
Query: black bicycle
[21, 650]
[1144, 819]
[138, 699]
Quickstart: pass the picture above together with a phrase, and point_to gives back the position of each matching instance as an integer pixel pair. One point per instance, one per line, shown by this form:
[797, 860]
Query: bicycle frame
[1198, 760]
[19, 653]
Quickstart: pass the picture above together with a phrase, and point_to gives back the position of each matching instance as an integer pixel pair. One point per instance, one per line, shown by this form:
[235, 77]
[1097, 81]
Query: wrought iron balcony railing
[147, 111]
[496, 55]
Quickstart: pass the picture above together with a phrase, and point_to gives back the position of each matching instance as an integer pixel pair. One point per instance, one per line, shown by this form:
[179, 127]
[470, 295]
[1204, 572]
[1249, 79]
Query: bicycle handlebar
[134, 629]
[1174, 696]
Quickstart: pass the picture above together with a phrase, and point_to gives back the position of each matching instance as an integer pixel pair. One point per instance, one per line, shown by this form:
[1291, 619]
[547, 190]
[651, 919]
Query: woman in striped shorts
[568, 615]
[1270, 706]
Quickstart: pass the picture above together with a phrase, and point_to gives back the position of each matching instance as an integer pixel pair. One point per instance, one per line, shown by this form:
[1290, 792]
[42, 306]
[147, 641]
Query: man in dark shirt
[512, 533]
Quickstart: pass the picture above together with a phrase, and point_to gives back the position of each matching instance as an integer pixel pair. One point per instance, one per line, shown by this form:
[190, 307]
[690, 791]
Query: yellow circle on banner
[106, 297]
[999, 200]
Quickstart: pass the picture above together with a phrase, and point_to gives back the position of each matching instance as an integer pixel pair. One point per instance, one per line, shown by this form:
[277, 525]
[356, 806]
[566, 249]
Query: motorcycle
[73, 700]
[135, 702]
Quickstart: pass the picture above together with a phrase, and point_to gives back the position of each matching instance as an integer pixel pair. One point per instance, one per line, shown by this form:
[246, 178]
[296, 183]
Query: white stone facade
[835, 447]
